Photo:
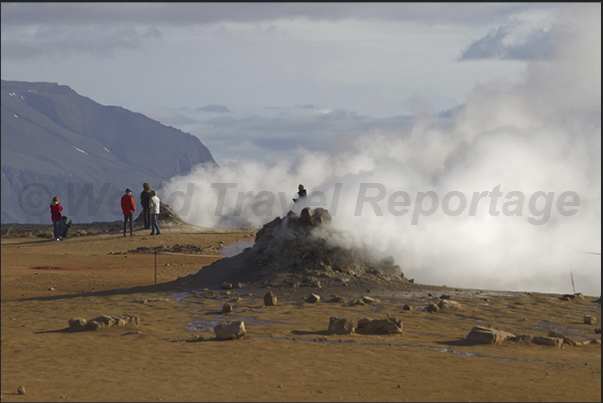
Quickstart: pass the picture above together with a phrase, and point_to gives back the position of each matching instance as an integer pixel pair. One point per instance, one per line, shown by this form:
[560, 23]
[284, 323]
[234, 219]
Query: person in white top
[154, 210]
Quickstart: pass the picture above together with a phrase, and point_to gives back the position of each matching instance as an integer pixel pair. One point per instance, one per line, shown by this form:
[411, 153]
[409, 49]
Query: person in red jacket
[56, 217]
[128, 208]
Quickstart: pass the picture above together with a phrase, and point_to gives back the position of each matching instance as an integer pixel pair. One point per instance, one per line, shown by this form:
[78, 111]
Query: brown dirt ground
[287, 356]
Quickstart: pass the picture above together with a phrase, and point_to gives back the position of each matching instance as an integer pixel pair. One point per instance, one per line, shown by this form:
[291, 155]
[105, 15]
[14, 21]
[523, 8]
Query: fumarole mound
[297, 251]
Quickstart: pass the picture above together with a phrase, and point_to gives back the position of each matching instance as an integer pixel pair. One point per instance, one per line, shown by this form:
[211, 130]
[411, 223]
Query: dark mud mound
[166, 216]
[297, 251]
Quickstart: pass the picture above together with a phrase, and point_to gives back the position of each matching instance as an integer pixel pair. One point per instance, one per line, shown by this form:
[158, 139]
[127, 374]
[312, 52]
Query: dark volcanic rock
[298, 251]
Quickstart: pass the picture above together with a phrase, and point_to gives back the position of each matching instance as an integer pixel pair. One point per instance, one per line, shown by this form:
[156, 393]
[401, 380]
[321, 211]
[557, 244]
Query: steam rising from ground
[543, 134]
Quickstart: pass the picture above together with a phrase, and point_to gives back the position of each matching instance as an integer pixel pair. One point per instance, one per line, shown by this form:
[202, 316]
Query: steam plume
[541, 135]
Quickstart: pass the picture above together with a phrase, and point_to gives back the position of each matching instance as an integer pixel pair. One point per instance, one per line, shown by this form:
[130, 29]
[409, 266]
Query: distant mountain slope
[55, 141]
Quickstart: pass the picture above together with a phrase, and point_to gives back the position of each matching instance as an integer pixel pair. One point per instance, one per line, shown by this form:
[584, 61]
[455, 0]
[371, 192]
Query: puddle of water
[198, 325]
[437, 349]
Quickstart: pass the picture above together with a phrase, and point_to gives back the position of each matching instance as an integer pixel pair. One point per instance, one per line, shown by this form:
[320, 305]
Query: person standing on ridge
[145, 196]
[128, 208]
[56, 217]
[301, 192]
[154, 205]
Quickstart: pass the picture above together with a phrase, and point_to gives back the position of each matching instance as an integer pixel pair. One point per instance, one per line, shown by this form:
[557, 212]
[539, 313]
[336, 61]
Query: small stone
[50, 288]
[313, 298]
[21, 390]
[407, 307]
[590, 320]
[270, 299]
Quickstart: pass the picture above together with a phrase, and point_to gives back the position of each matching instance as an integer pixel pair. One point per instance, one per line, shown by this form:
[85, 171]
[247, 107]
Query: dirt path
[173, 355]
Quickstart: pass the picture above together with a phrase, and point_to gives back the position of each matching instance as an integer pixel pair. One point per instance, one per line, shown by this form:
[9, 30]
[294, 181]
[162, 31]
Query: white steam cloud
[537, 143]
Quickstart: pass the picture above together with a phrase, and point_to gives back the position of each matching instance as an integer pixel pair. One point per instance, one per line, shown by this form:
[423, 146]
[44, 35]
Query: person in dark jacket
[145, 196]
[128, 208]
[56, 216]
[64, 227]
[301, 192]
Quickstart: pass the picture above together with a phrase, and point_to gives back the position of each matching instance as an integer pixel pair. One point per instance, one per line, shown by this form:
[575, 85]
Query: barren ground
[287, 356]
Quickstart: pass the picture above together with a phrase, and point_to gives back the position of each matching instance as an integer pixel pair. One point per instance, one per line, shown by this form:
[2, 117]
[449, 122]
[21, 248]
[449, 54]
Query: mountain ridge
[54, 140]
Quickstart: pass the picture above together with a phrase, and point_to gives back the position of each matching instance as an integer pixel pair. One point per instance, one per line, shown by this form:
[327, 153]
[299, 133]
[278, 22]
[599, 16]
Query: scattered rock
[226, 286]
[369, 300]
[449, 304]
[598, 330]
[208, 294]
[337, 298]
[488, 335]
[269, 299]
[565, 338]
[584, 342]
[379, 326]
[548, 341]
[522, 338]
[227, 308]
[569, 297]
[432, 307]
[21, 390]
[102, 322]
[590, 320]
[312, 298]
[146, 300]
[407, 307]
[234, 329]
[340, 326]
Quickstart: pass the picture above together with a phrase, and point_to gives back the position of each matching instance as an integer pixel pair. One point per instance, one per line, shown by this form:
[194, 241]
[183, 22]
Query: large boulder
[379, 326]
[340, 326]
[488, 335]
[230, 330]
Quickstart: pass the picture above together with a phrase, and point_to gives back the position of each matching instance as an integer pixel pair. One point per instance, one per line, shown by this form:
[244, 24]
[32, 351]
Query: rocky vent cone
[297, 251]
[166, 216]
